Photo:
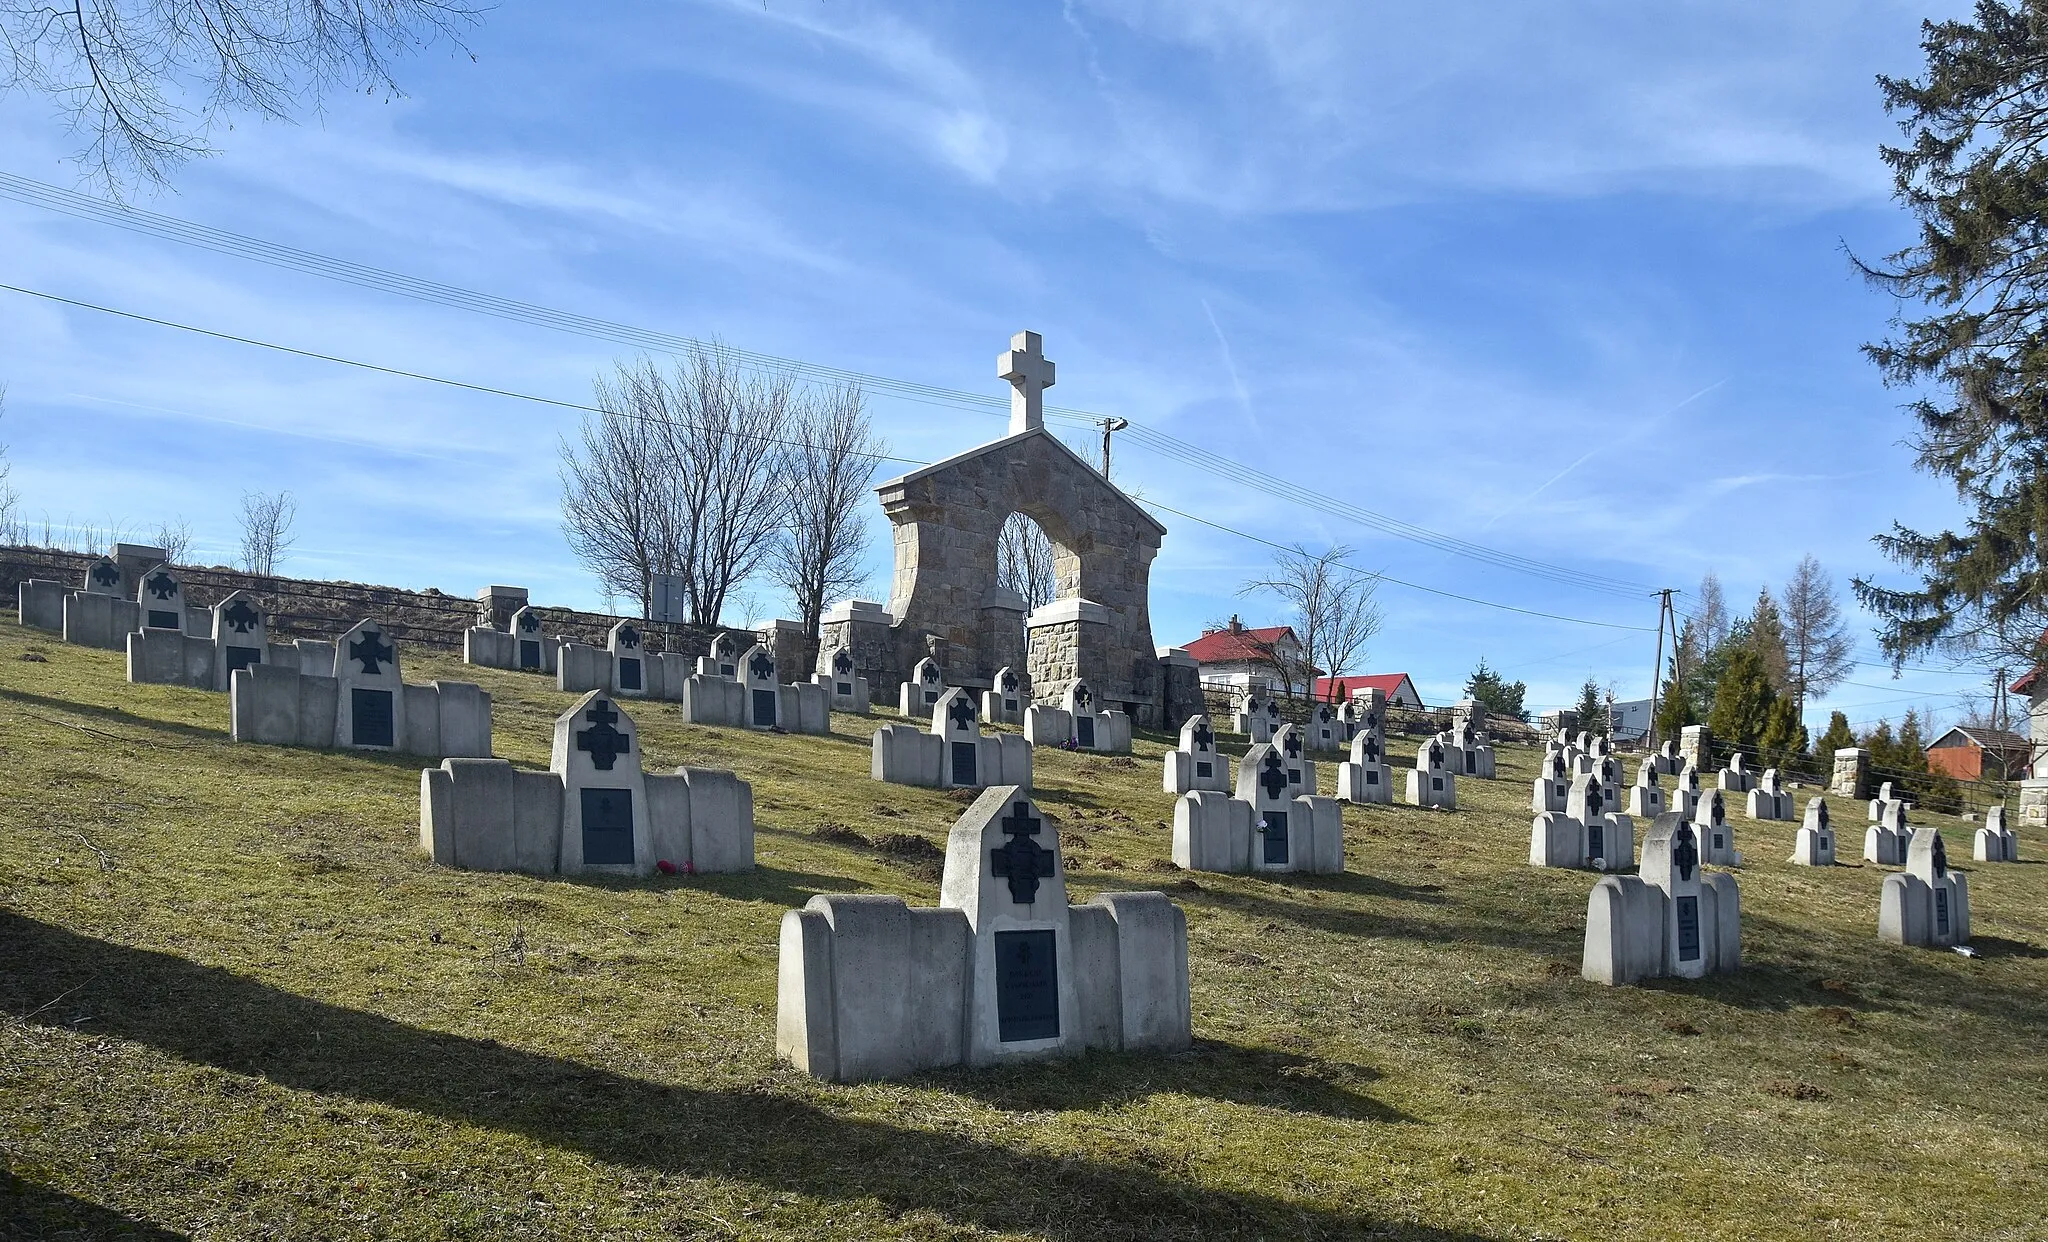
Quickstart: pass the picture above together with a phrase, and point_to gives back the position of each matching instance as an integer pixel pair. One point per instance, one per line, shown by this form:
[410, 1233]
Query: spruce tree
[1782, 743]
[1838, 737]
[1883, 756]
[1674, 711]
[1500, 697]
[1592, 708]
[1767, 639]
[1742, 700]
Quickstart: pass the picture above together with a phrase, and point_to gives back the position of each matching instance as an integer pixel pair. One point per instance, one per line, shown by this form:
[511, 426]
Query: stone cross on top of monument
[1030, 372]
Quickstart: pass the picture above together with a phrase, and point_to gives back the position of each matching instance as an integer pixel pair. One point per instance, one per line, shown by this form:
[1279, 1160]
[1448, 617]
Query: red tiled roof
[1348, 686]
[1224, 646]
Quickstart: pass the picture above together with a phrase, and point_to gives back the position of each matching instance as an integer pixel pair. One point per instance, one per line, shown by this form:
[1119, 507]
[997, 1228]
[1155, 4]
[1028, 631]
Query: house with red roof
[1249, 658]
[1399, 690]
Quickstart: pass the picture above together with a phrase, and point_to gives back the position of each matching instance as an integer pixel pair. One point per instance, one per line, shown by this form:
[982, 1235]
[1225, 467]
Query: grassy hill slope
[236, 1001]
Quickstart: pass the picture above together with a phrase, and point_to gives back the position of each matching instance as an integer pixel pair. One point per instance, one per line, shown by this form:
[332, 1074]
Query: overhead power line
[573, 405]
[222, 241]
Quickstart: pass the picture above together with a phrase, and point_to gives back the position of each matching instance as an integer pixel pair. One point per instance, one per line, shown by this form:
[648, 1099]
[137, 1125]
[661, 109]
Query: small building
[1249, 658]
[1400, 691]
[1970, 754]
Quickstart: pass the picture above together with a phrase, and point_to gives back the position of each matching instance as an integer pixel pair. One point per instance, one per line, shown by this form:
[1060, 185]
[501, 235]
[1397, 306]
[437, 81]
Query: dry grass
[236, 1002]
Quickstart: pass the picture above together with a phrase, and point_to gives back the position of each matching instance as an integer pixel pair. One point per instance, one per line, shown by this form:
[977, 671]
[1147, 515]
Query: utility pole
[1109, 425]
[1657, 673]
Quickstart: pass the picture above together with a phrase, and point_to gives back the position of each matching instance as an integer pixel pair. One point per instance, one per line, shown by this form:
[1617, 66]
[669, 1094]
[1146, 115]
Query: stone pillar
[496, 604]
[861, 627]
[1066, 640]
[1180, 685]
[1563, 719]
[2034, 802]
[135, 560]
[1851, 777]
[1002, 638]
[786, 643]
[1696, 745]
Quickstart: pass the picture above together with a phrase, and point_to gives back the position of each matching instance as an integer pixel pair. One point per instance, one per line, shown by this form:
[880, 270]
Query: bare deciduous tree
[1817, 642]
[145, 82]
[12, 528]
[1712, 615]
[1333, 609]
[267, 519]
[830, 463]
[619, 494]
[175, 538]
[1025, 562]
[727, 443]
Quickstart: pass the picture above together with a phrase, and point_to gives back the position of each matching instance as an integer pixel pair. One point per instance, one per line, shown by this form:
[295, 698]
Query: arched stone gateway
[946, 602]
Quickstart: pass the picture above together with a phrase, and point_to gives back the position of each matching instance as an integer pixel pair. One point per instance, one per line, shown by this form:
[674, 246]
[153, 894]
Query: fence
[306, 608]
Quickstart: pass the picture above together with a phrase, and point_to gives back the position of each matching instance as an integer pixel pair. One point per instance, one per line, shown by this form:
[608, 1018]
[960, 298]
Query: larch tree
[1817, 641]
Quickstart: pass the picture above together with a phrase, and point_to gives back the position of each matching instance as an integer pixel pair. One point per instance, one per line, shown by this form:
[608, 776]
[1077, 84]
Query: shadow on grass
[1343, 922]
[34, 1213]
[59, 978]
[114, 715]
[1264, 1077]
[1999, 946]
[770, 884]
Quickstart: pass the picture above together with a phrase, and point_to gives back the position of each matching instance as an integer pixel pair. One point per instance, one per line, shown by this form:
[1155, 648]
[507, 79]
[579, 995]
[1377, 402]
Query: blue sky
[1569, 281]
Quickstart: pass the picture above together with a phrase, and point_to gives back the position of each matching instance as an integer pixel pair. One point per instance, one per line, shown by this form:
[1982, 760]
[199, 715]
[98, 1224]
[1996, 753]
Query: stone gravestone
[240, 637]
[1256, 717]
[954, 754]
[1587, 833]
[1553, 783]
[1004, 701]
[1716, 838]
[1432, 783]
[1885, 797]
[847, 690]
[1077, 724]
[1194, 764]
[727, 650]
[1814, 846]
[1673, 919]
[920, 694]
[630, 666]
[1475, 757]
[533, 650]
[1325, 729]
[1289, 740]
[1268, 826]
[604, 791]
[1995, 842]
[161, 599]
[103, 611]
[1669, 761]
[1769, 799]
[360, 702]
[1367, 779]
[1645, 797]
[1002, 970]
[1927, 905]
[1886, 841]
[764, 703]
[1684, 794]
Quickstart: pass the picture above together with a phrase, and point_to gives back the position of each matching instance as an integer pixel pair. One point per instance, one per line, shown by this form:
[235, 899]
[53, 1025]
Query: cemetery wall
[307, 608]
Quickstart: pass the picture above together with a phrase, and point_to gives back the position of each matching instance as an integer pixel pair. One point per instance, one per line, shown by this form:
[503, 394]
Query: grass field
[237, 1002]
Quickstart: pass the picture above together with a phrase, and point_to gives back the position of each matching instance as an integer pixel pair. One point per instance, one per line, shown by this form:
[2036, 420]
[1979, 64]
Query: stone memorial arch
[946, 602]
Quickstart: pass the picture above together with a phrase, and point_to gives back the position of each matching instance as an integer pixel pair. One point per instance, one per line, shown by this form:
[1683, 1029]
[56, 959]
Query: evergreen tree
[1783, 741]
[1674, 710]
[1742, 700]
[1910, 756]
[1970, 172]
[1838, 737]
[1592, 708]
[1500, 697]
[1767, 639]
[1882, 749]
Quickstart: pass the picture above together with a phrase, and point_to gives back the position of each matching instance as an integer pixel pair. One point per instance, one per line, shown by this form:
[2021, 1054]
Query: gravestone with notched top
[1769, 799]
[100, 613]
[1326, 728]
[916, 698]
[1004, 701]
[1994, 841]
[953, 754]
[1079, 723]
[845, 690]
[1684, 793]
[160, 597]
[1432, 783]
[1716, 837]
[1291, 740]
[1195, 763]
[1674, 919]
[1814, 844]
[524, 645]
[1256, 716]
[727, 651]
[1646, 796]
[361, 703]
[1366, 778]
[596, 810]
[1553, 783]
[1887, 841]
[1002, 970]
[1738, 776]
[1270, 825]
[1589, 832]
[1927, 905]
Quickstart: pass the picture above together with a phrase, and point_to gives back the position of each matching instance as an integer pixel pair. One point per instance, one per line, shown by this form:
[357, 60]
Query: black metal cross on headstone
[962, 712]
[1940, 857]
[603, 743]
[1204, 737]
[842, 663]
[1273, 775]
[1593, 796]
[240, 617]
[761, 666]
[371, 650]
[1685, 851]
[1715, 809]
[1823, 816]
[106, 574]
[1292, 745]
[161, 585]
[1273, 708]
[1436, 754]
[629, 637]
[528, 622]
[1021, 860]
[1371, 749]
[1082, 698]
[1009, 682]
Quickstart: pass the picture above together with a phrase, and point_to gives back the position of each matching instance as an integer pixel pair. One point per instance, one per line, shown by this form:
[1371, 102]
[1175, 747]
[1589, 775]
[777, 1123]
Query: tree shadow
[1260, 1077]
[775, 885]
[33, 1213]
[58, 978]
[1343, 922]
[115, 715]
